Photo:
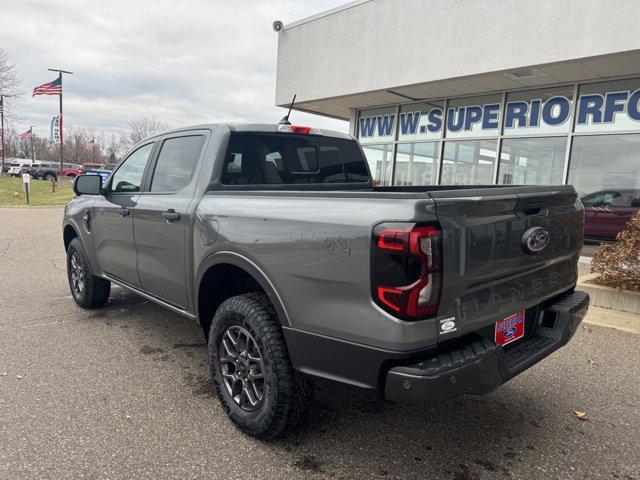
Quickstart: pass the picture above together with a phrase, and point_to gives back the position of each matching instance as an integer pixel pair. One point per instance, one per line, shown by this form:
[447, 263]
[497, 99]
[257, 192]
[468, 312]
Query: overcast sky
[182, 62]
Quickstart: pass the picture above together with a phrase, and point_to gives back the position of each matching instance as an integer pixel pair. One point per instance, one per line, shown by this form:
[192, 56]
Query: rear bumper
[481, 366]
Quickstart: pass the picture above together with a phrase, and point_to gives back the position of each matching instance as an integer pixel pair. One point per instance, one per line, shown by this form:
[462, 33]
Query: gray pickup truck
[275, 240]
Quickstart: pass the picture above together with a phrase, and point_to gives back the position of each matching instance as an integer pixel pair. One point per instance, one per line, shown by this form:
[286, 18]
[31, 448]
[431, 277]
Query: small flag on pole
[51, 88]
[26, 135]
[1, 106]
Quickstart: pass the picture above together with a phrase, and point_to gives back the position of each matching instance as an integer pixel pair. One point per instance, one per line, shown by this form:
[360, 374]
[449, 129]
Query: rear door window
[176, 162]
[289, 159]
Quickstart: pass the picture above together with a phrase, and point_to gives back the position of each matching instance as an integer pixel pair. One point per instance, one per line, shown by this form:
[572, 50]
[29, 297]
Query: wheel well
[69, 234]
[220, 282]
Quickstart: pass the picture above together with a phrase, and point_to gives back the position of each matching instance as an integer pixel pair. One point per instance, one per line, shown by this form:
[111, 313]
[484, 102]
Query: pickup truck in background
[16, 169]
[274, 239]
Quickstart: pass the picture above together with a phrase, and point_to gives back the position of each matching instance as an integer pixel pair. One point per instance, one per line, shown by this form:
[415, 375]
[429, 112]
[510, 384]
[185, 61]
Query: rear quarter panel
[315, 250]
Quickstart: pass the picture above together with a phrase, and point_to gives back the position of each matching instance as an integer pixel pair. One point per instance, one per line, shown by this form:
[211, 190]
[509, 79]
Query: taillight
[406, 273]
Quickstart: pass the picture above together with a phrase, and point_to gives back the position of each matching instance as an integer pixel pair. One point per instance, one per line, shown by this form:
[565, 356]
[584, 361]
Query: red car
[68, 169]
[608, 211]
[90, 167]
[71, 170]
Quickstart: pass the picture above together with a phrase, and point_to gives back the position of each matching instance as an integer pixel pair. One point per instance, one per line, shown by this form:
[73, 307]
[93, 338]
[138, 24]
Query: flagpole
[60, 72]
[33, 152]
[2, 134]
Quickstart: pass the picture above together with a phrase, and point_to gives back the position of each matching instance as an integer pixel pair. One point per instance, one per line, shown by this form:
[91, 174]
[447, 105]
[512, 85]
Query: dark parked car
[274, 239]
[608, 211]
[44, 171]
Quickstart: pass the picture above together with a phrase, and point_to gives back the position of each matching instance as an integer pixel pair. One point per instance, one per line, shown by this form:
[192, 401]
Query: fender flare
[252, 269]
[81, 233]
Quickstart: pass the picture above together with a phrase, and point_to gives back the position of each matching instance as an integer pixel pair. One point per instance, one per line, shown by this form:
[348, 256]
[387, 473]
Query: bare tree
[141, 129]
[9, 84]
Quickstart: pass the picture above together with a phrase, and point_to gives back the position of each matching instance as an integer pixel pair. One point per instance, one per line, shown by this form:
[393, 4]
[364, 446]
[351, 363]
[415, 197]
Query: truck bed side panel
[316, 251]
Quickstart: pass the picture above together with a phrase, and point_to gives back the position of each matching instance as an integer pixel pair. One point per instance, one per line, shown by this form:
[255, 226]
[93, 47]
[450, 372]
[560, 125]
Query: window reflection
[532, 161]
[468, 162]
[416, 163]
[379, 160]
[604, 171]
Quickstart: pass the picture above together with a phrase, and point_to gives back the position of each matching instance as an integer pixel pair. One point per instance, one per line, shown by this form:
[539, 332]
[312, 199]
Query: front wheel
[88, 290]
[250, 367]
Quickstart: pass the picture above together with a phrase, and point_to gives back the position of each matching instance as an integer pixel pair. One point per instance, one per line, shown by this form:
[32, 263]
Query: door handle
[171, 215]
[124, 212]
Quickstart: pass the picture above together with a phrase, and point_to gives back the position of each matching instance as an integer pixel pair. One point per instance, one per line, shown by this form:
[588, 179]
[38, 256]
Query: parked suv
[274, 239]
[45, 171]
[17, 169]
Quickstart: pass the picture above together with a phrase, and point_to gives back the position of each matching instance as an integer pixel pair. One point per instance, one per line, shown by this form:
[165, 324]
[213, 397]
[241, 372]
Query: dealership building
[477, 92]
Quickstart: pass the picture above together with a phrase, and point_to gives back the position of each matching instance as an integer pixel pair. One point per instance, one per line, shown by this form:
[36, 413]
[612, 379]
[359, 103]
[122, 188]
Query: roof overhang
[368, 53]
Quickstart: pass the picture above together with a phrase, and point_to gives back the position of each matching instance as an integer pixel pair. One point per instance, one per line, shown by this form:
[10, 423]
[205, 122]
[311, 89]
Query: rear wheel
[88, 290]
[49, 177]
[250, 367]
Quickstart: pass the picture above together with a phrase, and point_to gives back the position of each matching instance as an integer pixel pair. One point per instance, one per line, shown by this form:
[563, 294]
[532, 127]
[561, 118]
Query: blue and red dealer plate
[510, 329]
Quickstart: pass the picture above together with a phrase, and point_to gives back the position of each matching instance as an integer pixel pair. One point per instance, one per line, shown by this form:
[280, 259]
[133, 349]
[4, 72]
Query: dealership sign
[610, 111]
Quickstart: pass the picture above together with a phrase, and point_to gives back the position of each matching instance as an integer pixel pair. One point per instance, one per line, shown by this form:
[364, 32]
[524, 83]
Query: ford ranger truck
[274, 239]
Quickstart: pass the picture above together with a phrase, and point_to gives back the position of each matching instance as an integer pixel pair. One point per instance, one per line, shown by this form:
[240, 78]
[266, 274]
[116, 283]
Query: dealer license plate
[510, 329]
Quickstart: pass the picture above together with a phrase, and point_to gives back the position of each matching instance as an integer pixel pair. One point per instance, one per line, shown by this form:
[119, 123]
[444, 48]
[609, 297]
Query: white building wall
[381, 44]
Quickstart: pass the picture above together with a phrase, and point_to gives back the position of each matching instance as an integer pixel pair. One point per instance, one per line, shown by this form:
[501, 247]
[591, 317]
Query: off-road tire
[96, 290]
[285, 391]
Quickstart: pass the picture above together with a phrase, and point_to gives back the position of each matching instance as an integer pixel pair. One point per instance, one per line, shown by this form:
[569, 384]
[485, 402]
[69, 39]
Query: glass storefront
[532, 161]
[379, 160]
[587, 135]
[468, 162]
[416, 163]
[605, 162]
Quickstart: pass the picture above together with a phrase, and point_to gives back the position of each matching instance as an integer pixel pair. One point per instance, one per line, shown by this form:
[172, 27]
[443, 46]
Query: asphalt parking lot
[124, 392]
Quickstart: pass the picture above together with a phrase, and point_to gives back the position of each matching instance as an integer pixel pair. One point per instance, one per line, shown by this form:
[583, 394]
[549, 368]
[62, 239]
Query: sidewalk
[606, 317]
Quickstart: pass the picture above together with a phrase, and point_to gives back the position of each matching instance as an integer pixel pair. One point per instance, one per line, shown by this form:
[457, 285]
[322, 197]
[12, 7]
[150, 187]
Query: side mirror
[87, 185]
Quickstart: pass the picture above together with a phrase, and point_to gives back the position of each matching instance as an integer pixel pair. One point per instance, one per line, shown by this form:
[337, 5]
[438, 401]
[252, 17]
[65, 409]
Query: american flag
[51, 88]
[1, 105]
[25, 135]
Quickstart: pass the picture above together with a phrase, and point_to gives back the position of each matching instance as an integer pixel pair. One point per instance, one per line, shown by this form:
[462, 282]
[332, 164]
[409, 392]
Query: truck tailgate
[489, 272]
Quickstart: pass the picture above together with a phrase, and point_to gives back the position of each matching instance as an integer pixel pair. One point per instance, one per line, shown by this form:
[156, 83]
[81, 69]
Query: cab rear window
[289, 159]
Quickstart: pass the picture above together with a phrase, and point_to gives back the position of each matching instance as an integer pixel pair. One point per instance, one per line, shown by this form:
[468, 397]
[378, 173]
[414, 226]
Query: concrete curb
[607, 297]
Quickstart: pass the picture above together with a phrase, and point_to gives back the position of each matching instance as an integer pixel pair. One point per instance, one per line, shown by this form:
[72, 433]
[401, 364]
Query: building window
[468, 162]
[377, 125]
[604, 162]
[379, 159]
[532, 161]
[539, 112]
[421, 121]
[609, 106]
[474, 117]
[416, 164]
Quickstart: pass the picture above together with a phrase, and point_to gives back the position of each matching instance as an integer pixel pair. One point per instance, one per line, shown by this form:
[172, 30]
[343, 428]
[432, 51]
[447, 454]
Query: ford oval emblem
[448, 326]
[535, 239]
[510, 332]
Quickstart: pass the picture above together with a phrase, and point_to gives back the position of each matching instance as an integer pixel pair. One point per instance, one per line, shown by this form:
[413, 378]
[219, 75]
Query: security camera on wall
[277, 26]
